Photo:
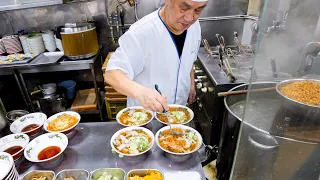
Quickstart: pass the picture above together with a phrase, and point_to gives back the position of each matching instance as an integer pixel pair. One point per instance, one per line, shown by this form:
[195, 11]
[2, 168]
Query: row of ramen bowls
[98, 174]
[138, 116]
[135, 141]
[45, 149]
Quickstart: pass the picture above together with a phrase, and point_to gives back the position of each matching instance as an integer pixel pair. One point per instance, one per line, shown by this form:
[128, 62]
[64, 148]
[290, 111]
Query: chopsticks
[221, 94]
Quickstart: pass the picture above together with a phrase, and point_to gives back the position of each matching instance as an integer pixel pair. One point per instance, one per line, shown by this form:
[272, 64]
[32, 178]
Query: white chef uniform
[147, 54]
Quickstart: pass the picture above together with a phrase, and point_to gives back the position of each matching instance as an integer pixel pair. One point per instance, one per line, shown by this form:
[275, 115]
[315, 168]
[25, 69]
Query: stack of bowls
[33, 119]
[24, 42]
[14, 144]
[2, 48]
[36, 44]
[49, 41]
[12, 44]
[8, 169]
[58, 43]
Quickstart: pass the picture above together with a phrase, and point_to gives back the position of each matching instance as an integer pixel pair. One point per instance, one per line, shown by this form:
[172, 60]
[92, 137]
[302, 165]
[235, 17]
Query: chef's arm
[192, 94]
[192, 77]
[148, 98]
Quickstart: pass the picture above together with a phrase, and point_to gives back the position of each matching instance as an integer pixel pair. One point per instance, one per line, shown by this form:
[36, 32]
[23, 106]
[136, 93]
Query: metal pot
[260, 154]
[15, 114]
[79, 40]
[48, 89]
[52, 104]
[295, 105]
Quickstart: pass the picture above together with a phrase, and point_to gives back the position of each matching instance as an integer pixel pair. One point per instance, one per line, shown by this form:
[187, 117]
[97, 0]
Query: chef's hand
[192, 94]
[150, 99]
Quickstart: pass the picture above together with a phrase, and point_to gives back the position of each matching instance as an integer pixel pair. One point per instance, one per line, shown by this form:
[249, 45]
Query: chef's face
[183, 13]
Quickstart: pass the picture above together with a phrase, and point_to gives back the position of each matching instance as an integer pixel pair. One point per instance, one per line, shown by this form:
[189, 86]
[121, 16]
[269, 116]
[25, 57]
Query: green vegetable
[141, 142]
[105, 176]
[181, 116]
[140, 116]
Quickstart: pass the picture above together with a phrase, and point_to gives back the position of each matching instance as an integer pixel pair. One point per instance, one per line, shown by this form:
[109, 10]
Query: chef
[159, 49]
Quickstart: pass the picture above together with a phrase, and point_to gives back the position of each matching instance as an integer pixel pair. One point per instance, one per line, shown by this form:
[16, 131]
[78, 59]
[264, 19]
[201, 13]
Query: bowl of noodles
[134, 116]
[63, 122]
[178, 147]
[177, 114]
[132, 141]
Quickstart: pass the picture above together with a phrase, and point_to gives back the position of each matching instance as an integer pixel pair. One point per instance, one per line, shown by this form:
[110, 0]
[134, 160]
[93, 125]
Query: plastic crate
[114, 106]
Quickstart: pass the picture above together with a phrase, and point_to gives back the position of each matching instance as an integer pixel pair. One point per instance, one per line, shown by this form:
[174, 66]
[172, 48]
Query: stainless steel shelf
[64, 65]
[5, 72]
[30, 5]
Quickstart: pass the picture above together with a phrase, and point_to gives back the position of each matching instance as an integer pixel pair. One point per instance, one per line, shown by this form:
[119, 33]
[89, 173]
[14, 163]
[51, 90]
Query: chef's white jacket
[147, 54]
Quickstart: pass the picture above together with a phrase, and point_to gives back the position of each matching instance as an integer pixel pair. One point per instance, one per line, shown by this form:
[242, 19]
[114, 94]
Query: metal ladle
[165, 112]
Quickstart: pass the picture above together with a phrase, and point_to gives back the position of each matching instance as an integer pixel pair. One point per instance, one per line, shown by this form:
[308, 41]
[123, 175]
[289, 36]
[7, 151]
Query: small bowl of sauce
[46, 149]
[30, 124]
[49, 152]
[14, 144]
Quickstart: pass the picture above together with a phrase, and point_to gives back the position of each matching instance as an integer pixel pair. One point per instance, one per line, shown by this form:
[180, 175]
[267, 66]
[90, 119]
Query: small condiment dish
[14, 144]
[36, 150]
[30, 124]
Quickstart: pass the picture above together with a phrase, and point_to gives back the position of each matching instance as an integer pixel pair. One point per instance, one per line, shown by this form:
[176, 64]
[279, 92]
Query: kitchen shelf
[30, 5]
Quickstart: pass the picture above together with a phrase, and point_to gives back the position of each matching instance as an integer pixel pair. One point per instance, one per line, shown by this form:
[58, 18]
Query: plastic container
[70, 87]
[115, 105]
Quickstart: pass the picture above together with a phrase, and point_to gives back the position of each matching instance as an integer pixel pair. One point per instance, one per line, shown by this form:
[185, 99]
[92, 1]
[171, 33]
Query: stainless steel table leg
[97, 91]
[21, 90]
[25, 90]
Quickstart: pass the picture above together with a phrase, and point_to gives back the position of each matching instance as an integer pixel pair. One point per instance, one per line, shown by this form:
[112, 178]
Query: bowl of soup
[63, 122]
[14, 144]
[181, 146]
[46, 149]
[30, 124]
[177, 114]
[132, 141]
[134, 116]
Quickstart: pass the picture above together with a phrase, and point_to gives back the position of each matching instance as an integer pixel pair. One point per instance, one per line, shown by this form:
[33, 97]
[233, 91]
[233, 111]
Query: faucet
[278, 25]
[310, 50]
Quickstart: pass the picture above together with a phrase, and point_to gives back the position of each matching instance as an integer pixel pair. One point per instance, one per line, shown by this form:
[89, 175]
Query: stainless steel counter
[241, 66]
[90, 149]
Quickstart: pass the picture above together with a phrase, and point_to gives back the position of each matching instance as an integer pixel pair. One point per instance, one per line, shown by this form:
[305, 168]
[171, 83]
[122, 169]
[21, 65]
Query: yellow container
[114, 106]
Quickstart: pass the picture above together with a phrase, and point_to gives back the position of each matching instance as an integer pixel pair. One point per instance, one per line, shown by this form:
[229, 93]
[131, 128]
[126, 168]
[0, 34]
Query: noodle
[62, 122]
[183, 143]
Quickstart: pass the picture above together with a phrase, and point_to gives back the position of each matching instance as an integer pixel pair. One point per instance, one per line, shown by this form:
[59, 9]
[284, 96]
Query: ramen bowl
[57, 119]
[135, 141]
[14, 144]
[179, 156]
[47, 149]
[30, 124]
[134, 116]
[186, 110]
